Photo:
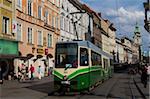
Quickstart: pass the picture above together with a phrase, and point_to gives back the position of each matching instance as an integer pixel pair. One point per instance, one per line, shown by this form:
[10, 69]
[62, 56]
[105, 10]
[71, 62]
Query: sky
[124, 14]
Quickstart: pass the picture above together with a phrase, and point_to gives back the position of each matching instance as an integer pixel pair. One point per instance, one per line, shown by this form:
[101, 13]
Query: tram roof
[89, 45]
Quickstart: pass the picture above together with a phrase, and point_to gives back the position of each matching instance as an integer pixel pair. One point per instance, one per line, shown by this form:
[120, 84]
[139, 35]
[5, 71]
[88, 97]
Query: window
[84, 57]
[39, 12]
[66, 55]
[6, 25]
[65, 24]
[30, 35]
[19, 3]
[56, 22]
[69, 27]
[57, 3]
[46, 16]
[49, 40]
[30, 7]
[19, 32]
[96, 59]
[53, 21]
[40, 38]
[105, 61]
[61, 22]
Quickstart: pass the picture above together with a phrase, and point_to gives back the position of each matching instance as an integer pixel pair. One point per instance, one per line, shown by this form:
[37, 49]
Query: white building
[74, 24]
[119, 51]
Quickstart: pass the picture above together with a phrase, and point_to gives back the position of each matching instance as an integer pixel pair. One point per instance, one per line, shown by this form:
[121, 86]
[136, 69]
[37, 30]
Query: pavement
[39, 89]
[29, 89]
[144, 91]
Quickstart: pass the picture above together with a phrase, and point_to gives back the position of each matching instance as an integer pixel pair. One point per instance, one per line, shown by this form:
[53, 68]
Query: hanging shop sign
[40, 51]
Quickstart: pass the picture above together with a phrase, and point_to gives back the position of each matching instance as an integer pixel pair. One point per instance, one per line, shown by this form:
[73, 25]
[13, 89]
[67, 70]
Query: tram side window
[84, 57]
[96, 59]
[105, 62]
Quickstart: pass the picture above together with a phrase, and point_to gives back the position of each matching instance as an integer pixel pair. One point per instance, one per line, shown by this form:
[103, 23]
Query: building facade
[37, 31]
[112, 40]
[88, 22]
[8, 45]
[105, 36]
[97, 35]
[73, 21]
[119, 51]
[127, 49]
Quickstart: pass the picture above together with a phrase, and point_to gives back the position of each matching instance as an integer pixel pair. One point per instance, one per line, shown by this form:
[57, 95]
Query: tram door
[84, 64]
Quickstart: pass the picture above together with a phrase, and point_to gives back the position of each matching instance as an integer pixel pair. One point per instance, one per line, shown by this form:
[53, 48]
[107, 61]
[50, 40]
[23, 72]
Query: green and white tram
[80, 65]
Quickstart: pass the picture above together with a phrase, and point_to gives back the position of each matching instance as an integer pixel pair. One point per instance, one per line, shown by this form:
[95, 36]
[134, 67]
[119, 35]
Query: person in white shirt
[148, 70]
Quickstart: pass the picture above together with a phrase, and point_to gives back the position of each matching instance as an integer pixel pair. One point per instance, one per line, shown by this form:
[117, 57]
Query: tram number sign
[65, 82]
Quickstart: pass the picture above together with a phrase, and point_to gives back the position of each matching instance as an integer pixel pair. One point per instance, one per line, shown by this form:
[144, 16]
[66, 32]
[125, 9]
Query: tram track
[131, 89]
[143, 96]
[132, 83]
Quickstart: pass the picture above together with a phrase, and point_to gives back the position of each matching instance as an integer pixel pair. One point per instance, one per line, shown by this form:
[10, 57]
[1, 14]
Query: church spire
[137, 34]
[137, 28]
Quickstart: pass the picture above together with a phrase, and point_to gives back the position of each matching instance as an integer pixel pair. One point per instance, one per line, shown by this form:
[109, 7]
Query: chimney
[99, 14]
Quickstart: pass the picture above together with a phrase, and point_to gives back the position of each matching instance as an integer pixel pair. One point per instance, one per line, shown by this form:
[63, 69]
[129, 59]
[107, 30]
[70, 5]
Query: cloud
[129, 12]
[125, 16]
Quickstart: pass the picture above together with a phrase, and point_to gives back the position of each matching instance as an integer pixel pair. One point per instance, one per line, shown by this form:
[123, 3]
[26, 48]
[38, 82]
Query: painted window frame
[39, 12]
[30, 7]
[30, 35]
[40, 38]
[19, 31]
[49, 40]
[46, 17]
[19, 4]
[6, 25]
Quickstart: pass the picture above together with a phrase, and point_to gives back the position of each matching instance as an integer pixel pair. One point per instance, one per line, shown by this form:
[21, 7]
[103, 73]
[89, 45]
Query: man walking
[144, 76]
[32, 71]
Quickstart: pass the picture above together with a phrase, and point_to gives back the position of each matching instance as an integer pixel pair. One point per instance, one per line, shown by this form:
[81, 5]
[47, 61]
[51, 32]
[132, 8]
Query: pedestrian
[32, 71]
[19, 73]
[26, 71]
[148, 69]
[51, 65]
[144, 76]
[39, 72]
[23, 72]
[1, 76]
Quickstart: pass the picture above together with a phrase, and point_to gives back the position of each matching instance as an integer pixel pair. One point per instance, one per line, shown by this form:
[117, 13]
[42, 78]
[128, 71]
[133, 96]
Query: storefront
[8, 51]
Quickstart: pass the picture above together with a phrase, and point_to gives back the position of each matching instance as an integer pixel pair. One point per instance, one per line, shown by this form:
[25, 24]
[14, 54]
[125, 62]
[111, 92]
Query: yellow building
[8, 45]
[6, 19]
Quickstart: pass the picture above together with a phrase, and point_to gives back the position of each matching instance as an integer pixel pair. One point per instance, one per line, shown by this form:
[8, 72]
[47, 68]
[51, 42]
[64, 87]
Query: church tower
[137, 44]
[137, 35]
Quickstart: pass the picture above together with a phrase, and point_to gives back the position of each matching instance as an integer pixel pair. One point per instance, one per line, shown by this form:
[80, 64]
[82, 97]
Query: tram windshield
[66, 55]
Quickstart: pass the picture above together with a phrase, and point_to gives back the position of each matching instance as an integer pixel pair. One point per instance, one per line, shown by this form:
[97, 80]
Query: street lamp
[147, 15]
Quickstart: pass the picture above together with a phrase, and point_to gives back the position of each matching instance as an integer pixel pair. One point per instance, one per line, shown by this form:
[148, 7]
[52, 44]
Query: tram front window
[66, 55]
